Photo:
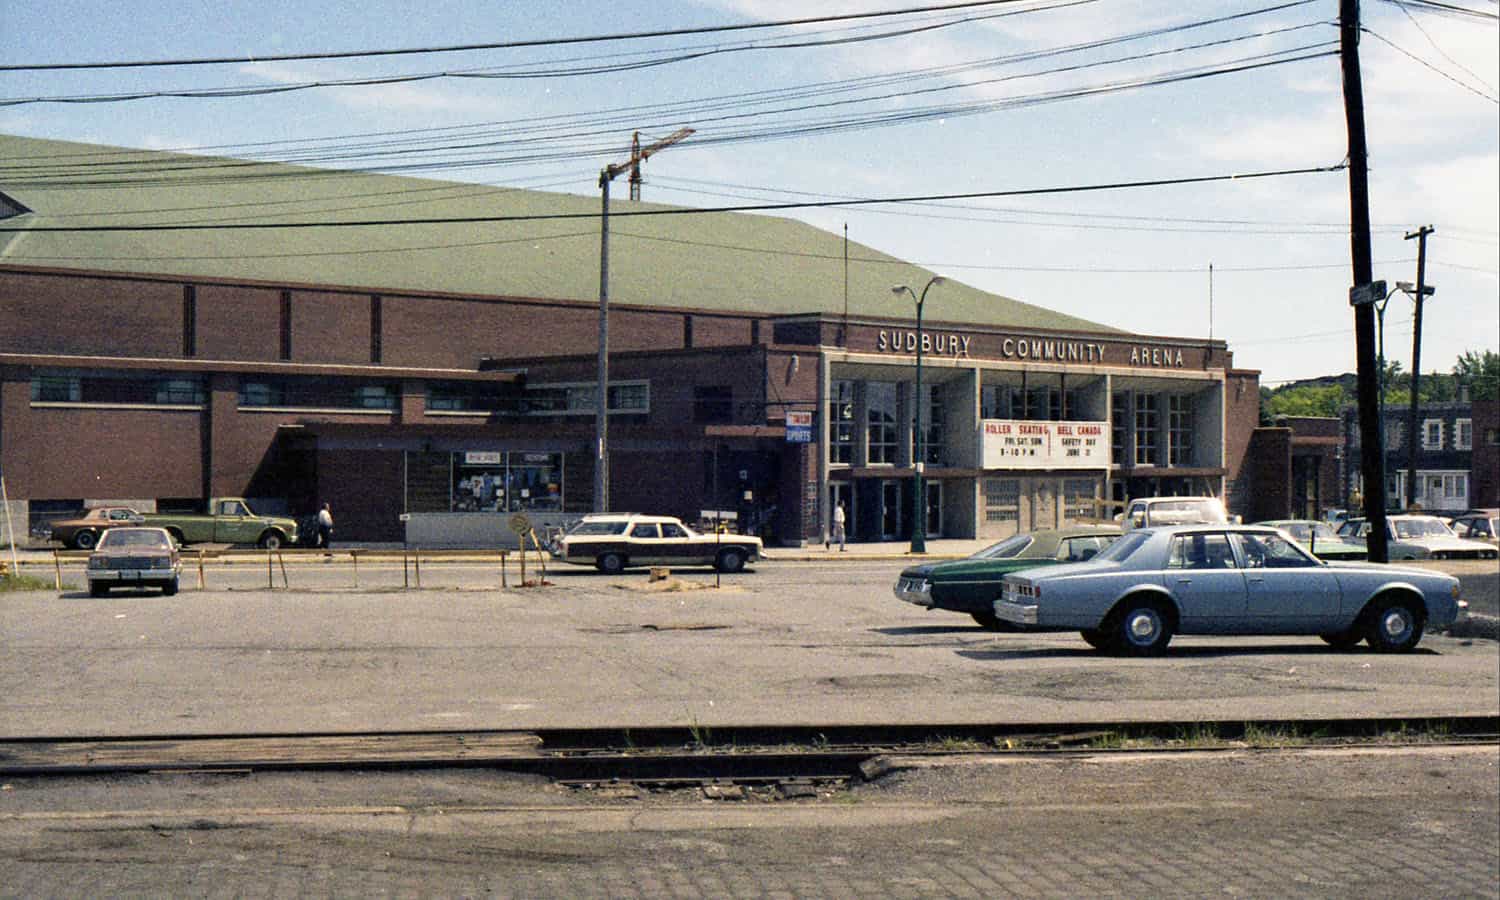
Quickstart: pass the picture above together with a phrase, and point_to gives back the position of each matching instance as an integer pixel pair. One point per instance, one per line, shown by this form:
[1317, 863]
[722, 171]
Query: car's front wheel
[1139, 628]
[610, 563]
[730, 561]
[1394, 626]
[1097, 638]
[1342, 640]
[168, 588]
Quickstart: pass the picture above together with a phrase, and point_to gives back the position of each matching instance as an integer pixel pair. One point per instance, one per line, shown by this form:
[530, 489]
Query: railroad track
[676, 757]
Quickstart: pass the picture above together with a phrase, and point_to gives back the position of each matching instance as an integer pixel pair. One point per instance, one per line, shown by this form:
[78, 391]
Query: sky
[1025, 96]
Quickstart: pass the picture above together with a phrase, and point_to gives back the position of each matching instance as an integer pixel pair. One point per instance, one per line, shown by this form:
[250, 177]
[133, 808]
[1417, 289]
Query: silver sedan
[1227, 579]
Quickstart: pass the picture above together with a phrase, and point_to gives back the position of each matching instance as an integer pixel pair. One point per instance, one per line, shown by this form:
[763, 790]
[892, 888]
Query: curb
[1475, 625]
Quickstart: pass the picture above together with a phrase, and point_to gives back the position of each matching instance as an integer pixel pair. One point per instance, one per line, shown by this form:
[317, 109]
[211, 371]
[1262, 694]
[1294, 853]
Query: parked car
[228, 520]
[83, 533]
[970, 585]
[1229, 579]
[1149, 512]
[1421, 537]
[1478, 525]
[1320, 539]
[134, 557]
[613, 543]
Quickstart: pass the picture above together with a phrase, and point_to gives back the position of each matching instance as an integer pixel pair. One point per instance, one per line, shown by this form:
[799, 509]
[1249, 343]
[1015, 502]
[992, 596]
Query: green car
[1319, 539]
[972, 584]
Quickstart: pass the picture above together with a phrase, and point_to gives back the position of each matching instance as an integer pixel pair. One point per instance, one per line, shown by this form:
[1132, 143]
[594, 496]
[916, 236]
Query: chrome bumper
[1016, 613]
[916, 591]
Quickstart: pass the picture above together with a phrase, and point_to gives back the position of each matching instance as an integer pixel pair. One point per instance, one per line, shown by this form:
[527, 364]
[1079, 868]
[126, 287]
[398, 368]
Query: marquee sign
[1016, 444]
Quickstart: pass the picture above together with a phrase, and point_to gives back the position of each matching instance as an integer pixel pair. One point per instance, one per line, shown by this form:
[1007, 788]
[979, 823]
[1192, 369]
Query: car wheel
[169, 588]
[1342, 640]
[610, 563]
[1097, 638]
[731, 561]
[1393, 626]
[1140, 628]
[85, 540]
[98, 589]
[271, 540]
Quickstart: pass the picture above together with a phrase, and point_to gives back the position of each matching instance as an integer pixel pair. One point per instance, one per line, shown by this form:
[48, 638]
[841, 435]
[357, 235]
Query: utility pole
[1364, 294]
[1416, 360]
[638, 155]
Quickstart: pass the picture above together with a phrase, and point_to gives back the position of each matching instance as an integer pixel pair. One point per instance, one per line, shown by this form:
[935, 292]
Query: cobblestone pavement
[1409, 823]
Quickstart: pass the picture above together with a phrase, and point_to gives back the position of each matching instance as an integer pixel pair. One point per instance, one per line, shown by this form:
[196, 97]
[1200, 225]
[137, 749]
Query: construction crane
[638, 155]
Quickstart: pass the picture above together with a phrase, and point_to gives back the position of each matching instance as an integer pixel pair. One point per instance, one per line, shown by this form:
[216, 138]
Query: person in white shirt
[838, 525]
[325, 526]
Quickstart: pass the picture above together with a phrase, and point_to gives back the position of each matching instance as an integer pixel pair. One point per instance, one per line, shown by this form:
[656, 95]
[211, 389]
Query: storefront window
[880, 401]
[499, 481]
[996, 401]
[1145, 429]
[1119, 426]
[1180, 430]
[933, 419]
[841, 422]
[1079, 498]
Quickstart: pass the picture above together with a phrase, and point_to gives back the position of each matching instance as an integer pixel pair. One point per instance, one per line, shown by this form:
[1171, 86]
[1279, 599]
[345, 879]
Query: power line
[763, 207]
[1449, 9]
[1419, 60]
[500, 45]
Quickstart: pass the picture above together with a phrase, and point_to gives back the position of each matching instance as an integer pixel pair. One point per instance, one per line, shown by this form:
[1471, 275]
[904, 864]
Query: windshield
[1418, 528]
[134, 537]
[597, 528]
[1006, 549]
[1187, 512]
[1121, 549]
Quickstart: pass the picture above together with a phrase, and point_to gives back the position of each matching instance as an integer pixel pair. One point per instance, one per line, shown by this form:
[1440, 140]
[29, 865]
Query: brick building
[431, 377]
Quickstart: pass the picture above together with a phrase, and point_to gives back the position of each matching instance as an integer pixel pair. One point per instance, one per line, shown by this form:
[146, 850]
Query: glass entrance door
[890, 510]
[934, 508]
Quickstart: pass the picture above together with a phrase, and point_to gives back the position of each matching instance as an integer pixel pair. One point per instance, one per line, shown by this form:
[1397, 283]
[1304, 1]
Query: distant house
[1457, 446]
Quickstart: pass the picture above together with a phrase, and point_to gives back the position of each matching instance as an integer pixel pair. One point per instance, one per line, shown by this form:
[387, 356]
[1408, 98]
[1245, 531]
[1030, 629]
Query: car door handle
[1184, 581]
[1255, 579]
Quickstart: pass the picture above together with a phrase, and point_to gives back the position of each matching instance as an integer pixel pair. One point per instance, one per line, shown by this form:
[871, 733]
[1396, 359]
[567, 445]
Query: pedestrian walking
[838, 525]
[325, 526]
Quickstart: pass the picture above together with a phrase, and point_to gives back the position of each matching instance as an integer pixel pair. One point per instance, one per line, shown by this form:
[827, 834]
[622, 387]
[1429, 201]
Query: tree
[1306, 400]
[1481, 372]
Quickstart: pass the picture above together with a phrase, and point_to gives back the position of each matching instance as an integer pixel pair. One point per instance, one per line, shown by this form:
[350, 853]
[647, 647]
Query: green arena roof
[549, 248]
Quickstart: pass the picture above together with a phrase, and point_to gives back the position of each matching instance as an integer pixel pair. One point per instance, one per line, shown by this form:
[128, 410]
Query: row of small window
[113, 388]
[1433, 433]
[90, 388]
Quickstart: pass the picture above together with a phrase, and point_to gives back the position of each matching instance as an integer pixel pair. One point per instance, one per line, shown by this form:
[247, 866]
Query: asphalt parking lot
[793, 642]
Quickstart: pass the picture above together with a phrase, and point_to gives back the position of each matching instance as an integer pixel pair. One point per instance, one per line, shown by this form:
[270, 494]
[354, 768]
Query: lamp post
[919, 517]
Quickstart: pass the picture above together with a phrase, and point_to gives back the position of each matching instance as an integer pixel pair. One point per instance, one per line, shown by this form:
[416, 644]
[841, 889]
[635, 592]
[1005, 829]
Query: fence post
[354, 555]
[201, 583]
[285, 584]
[503, 585]
[57, 571]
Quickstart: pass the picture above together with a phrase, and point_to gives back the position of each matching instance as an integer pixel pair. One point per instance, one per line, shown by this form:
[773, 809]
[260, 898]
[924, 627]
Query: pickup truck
[229, 520]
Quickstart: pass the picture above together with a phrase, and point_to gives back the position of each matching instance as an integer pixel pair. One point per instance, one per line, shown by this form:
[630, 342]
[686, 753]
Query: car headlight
[97, 562]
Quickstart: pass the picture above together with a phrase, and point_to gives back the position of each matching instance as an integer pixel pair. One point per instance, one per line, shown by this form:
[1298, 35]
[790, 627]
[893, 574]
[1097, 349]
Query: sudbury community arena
[176, 327]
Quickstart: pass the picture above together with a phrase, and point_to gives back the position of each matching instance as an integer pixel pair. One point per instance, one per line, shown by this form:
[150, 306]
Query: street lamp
[919, 524]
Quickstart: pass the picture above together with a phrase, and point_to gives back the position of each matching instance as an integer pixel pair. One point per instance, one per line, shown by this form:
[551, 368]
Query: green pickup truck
[229, 520]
